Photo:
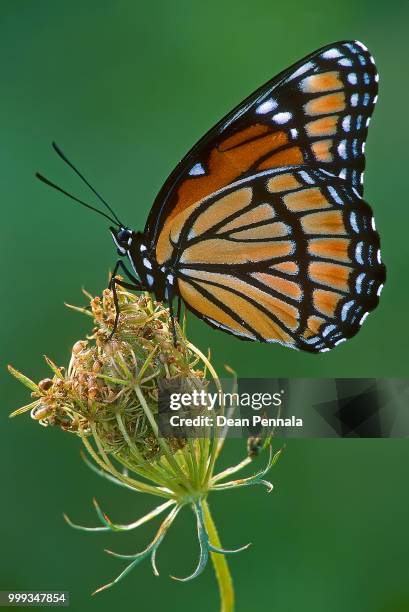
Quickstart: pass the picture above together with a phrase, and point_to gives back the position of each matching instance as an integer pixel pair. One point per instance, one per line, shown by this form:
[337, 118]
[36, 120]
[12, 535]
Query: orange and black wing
[315, 113]
[262, 225]
[289, 256]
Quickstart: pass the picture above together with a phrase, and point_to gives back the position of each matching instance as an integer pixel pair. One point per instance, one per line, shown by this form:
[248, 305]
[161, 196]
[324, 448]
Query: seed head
[97, 393]
[108, 396]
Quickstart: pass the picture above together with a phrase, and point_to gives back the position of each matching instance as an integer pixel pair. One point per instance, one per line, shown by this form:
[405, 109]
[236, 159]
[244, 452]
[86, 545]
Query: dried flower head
[108, 396]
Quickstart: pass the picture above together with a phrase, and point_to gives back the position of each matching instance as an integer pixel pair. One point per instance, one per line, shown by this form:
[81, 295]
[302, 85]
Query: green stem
[220, 565]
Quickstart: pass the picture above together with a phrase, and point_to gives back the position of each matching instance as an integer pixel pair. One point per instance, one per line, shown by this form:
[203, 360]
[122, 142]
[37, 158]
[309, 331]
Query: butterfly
[261, 229]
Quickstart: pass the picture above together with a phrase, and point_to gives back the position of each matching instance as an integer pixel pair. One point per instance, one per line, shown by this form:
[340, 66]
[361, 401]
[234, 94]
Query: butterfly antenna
[45, 180]
[61, 154]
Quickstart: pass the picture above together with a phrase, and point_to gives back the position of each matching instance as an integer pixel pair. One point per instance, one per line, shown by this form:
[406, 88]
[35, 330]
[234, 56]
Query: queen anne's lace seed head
[98, 388]
[108, 396]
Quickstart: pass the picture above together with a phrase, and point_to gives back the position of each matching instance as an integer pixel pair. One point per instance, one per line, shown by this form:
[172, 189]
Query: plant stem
[220, 565]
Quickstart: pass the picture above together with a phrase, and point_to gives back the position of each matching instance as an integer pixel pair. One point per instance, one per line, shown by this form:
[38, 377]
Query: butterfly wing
[316, 113]
[283, 256]
[263, 224]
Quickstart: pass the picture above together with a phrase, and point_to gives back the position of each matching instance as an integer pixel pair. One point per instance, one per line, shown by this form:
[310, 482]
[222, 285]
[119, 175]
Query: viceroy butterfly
[261, 229]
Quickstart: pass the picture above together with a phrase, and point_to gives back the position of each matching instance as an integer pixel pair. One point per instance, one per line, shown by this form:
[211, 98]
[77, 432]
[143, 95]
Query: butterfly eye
[122, 239]
[123, 236]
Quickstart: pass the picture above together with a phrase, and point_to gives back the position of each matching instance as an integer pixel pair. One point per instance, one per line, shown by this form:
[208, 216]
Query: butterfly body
[262, 229]
[146, 274]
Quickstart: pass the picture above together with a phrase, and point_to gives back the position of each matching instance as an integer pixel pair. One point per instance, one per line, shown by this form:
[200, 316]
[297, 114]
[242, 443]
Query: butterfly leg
[135, 281]
[169, 299]
[135, 285]
[179, 309]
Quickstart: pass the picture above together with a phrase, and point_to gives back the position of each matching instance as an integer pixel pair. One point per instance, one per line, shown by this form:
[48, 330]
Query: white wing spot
[358, 253]
[331, 53]
[363, 318]
[335, 195]
[294, 133]
[266, 107]
[345, 309]
[358, 283]
[345, 61]
[378, 293]
[328, 330]
[301, 70]
[352, 78]
[313, 340]
[346, 123]
[306, 177]
[282, 117]
[197, 170]
[352, 220]
[351, 48]
[342, 149]
[354, 99]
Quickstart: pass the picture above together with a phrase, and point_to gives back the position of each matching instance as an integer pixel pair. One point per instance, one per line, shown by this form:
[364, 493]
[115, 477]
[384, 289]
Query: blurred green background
[126, 88]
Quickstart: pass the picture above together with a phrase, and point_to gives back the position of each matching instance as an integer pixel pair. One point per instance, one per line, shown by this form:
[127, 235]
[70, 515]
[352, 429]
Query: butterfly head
[122, 238]
[133, 245]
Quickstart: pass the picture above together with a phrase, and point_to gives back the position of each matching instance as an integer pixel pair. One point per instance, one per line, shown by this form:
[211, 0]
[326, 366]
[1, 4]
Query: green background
[126, 88]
